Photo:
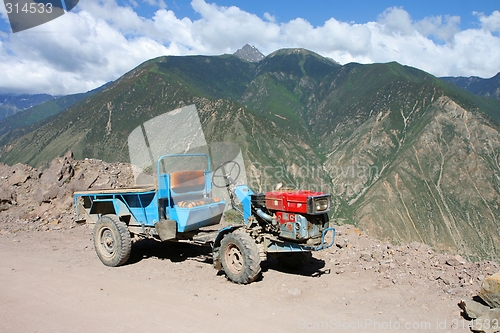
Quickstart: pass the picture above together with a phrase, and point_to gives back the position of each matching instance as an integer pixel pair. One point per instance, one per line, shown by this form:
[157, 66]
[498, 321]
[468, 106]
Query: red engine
[305, 201]
[299, 215]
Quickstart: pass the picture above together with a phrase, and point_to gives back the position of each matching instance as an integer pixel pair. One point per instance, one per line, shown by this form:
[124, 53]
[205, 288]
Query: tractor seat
[187, 181]
[196, 203]
[188, 189]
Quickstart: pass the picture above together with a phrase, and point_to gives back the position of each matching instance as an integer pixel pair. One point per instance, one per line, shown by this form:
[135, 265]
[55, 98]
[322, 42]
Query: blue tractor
[180, 206]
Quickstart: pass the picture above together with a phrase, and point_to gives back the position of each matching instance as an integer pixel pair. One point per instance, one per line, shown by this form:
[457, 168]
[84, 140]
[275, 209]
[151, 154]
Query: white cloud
[269, 17]
[73, 53]
[463, 53]
[123, 19]
[156, 3]
[221, 29]
[176, 32]
[441, 29]
[396, 21]
[103, 40]
[490, 23]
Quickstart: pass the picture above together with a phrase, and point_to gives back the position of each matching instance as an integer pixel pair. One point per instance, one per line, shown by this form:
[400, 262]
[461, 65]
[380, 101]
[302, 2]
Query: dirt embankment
[33, 200]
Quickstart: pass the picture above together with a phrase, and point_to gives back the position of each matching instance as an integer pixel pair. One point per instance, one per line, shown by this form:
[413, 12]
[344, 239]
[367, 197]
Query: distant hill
[29, 119]
[407, 156]
[476, 85]
[10, 104]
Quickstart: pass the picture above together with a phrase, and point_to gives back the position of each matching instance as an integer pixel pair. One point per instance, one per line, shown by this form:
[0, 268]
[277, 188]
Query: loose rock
[472, 308]
[488, 322]
[490, 290]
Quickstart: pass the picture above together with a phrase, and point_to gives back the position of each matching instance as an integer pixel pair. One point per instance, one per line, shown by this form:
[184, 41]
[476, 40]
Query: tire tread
[252, 259]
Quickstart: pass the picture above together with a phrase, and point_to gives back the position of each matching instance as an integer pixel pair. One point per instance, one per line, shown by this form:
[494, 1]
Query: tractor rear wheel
[240, 257]
[112, 241]
[294, 260]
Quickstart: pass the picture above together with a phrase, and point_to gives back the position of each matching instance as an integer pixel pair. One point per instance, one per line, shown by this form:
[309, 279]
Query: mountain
[10, 104]
[249, 53]
[476, 85]
[407, 156]
[33, 117]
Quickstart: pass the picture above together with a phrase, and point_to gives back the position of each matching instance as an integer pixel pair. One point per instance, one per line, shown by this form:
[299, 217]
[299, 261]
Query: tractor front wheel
[240, 257]
[112, 241]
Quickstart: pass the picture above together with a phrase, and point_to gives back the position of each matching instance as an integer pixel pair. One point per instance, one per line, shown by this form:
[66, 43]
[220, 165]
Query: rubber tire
[112, 241]
[240, 257]
[294, 260]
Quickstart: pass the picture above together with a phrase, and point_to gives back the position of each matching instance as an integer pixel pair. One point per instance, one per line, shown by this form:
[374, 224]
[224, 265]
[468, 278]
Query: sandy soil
[52, 281]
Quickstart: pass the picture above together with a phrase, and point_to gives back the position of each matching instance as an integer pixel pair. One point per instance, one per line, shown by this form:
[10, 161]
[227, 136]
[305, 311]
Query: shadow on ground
[173, 251]
[180, 251]
[314, 268]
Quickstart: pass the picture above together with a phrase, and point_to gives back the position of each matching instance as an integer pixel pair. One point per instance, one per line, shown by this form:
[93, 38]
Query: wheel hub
[107, 241]
[234, 259]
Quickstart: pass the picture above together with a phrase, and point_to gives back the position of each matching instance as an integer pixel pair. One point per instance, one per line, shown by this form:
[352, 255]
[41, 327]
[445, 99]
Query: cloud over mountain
[103, 39]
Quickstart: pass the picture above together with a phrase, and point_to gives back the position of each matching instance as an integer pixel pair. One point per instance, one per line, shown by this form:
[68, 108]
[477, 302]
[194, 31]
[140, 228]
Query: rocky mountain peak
[249, 53]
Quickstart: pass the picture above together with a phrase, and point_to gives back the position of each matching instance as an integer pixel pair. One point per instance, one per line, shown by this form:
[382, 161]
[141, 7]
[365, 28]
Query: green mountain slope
[407, 156]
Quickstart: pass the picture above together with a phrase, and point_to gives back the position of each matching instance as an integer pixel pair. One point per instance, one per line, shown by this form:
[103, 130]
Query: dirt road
[52, 281]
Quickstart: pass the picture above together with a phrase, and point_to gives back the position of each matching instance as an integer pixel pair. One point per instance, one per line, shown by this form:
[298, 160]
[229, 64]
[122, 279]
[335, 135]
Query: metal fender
[112, 206]
[216, 245]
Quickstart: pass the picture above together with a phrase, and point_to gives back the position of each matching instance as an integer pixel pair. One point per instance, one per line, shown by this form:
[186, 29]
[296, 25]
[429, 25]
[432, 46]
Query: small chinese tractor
[288, 224]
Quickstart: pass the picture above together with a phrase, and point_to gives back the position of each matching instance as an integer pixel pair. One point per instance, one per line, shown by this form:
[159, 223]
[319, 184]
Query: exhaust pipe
[265, 216]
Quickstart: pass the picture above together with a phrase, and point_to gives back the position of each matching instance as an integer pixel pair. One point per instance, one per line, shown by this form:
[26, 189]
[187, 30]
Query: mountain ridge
[476, 85]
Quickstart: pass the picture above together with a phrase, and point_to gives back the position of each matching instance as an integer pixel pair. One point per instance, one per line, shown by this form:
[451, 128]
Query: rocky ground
[33, 200]
[52, 280]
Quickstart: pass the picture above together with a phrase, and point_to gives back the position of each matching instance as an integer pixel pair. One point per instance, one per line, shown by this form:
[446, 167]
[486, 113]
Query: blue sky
[358, 11]
[100, 40]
